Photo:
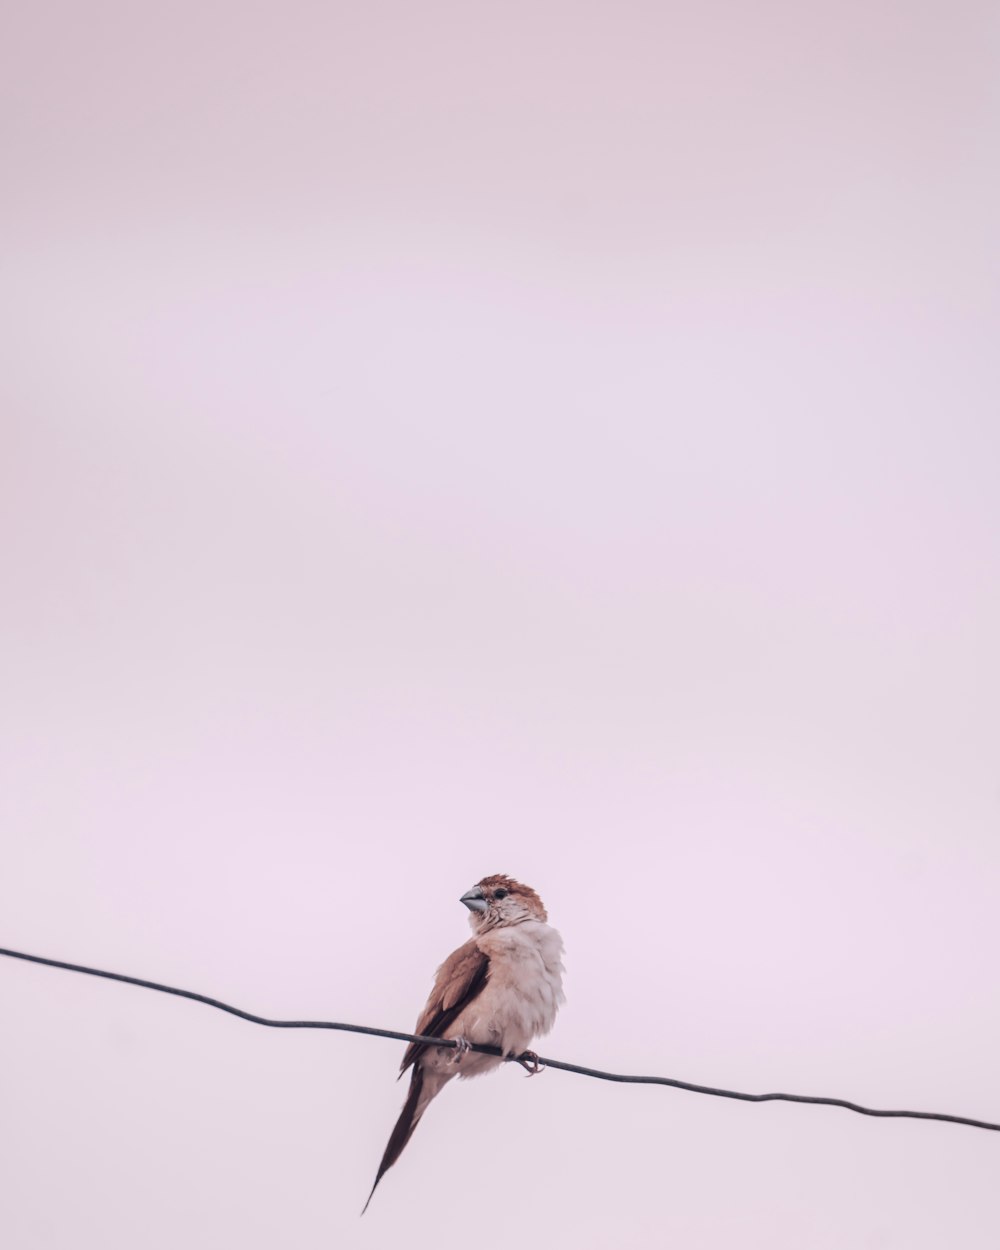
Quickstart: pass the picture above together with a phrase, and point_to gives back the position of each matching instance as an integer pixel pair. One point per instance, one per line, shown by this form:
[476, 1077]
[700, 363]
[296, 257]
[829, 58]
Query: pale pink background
[551, 438]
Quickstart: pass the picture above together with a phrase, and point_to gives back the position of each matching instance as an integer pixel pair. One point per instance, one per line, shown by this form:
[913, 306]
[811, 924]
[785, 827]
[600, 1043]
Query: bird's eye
[500, 893]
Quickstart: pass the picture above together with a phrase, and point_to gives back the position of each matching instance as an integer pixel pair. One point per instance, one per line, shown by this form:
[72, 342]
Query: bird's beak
[474, 899]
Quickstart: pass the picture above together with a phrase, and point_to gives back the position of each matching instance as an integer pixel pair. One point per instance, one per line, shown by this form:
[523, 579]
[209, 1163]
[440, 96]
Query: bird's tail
[422, 1090]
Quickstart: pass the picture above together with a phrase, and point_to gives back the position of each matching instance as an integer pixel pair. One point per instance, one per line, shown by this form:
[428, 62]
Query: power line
[528, 1060]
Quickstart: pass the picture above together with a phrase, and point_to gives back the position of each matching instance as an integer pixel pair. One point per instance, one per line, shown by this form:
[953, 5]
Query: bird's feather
[409, 1117]
[459, 980]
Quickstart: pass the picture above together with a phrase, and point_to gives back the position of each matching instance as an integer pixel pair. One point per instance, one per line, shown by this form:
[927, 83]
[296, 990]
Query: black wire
[528, 1059]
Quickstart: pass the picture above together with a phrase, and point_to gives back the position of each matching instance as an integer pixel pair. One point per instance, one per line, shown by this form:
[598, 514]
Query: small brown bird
[501, 988]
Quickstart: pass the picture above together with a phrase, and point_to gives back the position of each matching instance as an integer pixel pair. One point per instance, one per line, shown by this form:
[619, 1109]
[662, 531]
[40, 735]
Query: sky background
[445, 439]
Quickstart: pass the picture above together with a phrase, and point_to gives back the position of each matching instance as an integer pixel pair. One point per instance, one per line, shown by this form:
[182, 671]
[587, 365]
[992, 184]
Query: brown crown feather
[500, 880]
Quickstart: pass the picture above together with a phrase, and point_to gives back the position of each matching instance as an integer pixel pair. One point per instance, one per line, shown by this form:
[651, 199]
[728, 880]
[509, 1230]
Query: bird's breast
[524, 989]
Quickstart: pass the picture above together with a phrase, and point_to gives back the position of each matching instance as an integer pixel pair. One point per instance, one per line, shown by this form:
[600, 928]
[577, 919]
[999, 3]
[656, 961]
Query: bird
[501, 988]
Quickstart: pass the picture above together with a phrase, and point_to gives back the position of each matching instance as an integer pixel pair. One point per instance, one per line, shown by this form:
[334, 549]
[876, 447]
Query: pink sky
[450, 439]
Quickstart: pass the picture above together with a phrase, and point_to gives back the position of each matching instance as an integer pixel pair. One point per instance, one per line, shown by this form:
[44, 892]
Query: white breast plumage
[524, 990]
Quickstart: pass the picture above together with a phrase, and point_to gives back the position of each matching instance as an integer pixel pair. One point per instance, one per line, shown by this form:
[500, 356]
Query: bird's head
[500, 900]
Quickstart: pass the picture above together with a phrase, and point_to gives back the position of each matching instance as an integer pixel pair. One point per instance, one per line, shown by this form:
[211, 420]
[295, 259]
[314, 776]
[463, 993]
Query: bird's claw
[531, 1063]
[462, 1047]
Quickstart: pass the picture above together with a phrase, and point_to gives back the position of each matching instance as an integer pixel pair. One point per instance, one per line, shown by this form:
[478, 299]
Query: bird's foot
[462, 1047]
[531, 1063]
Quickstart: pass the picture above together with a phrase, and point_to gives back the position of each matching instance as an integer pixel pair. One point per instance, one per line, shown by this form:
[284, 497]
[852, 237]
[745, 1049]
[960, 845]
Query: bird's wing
[459, 980]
